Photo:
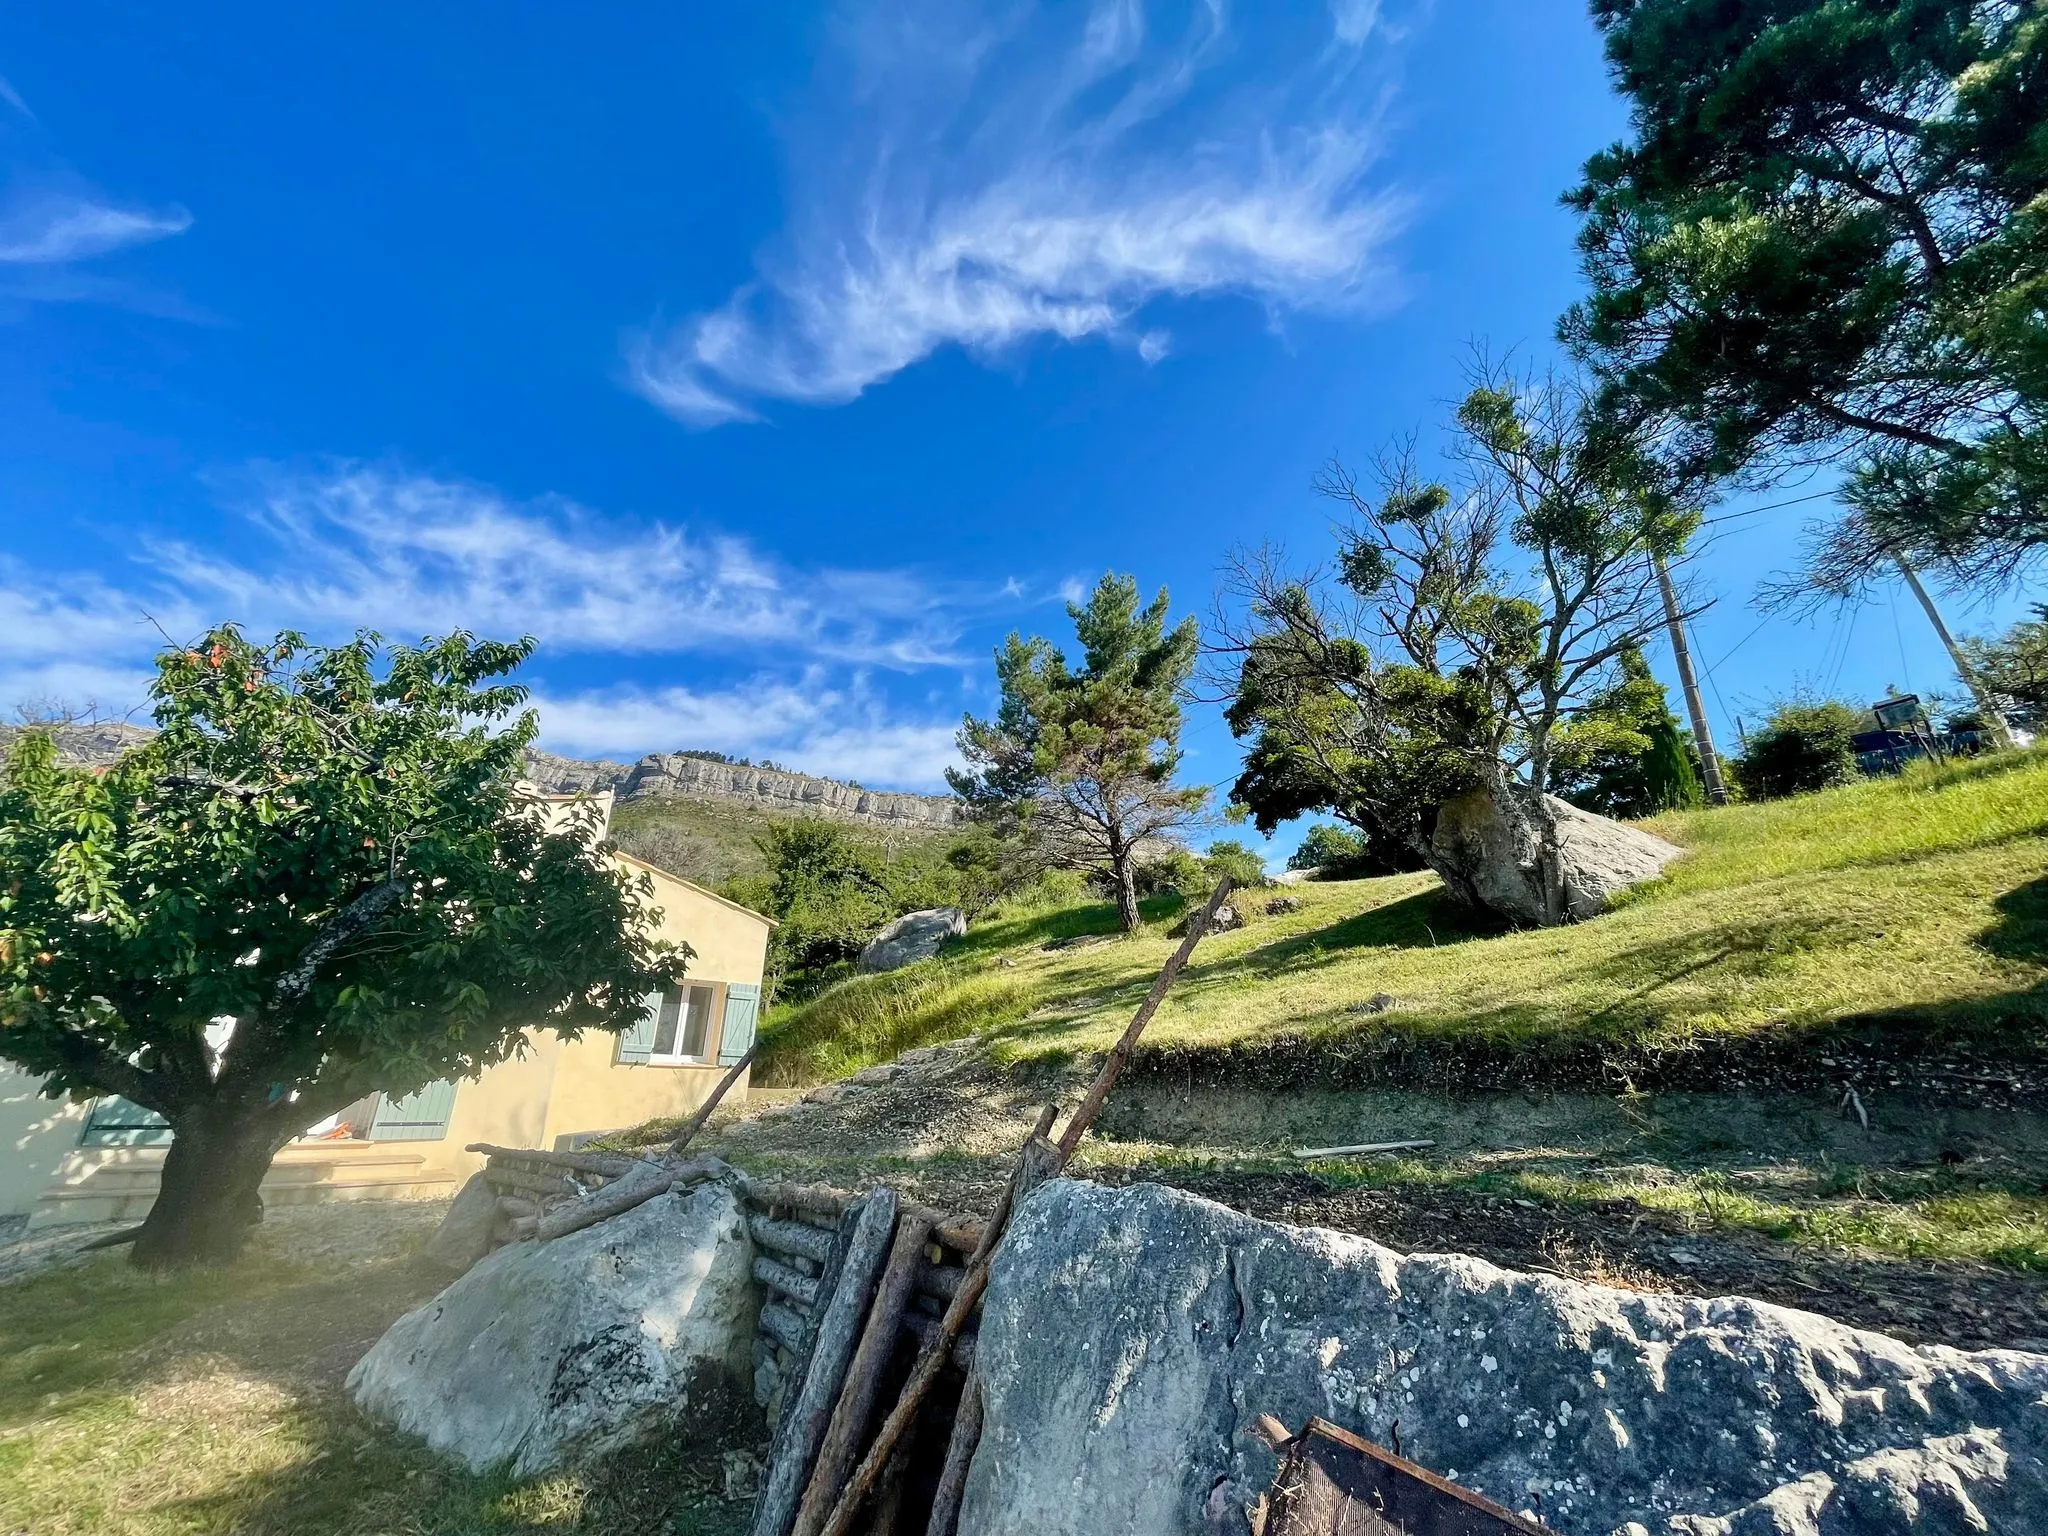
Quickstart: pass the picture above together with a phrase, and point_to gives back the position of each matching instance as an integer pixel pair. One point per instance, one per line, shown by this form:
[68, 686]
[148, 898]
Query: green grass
[1912, 912]
[210, 1403]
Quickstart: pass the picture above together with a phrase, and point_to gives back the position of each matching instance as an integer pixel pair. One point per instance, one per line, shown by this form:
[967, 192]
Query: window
[682, 1028]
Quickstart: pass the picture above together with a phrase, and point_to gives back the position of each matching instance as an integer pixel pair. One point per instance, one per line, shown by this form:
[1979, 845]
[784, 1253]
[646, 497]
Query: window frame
[714, 1026]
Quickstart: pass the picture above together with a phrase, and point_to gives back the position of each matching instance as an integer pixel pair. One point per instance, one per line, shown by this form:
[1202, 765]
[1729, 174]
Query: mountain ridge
[657, 776]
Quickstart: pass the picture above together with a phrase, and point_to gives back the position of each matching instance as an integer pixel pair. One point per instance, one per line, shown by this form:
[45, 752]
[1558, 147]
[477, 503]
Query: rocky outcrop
[677, 775]
[1131, 1338]
[546, 1354]
[90, 746]
[913, 937]
[1495, 857]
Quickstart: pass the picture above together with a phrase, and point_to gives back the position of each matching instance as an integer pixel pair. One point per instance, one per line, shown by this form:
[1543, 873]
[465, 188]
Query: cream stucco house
[66, 1163]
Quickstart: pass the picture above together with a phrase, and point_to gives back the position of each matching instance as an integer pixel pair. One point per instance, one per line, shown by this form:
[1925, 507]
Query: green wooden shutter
[637, 1043]
[421, 1116]
[742, 1010]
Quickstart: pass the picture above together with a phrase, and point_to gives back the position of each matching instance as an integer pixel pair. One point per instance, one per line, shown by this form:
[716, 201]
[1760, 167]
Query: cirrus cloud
[977, 179]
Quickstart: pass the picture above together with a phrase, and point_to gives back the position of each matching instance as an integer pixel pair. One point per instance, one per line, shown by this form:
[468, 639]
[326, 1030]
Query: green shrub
[1803, 745]
[1244, 866]
[1343, 853]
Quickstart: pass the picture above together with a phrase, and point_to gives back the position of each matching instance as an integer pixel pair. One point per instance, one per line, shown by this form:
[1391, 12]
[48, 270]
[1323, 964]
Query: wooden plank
[616, 1198]
[799, 1288]
[1332, 1483]
[837, 1333]
[553, 1186]
[791, 1237]
[784, 1325]
[840, 1448]
[605, 1164]
[798, 1197]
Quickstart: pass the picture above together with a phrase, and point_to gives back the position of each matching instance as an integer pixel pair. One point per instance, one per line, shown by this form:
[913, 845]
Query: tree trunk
[207, 1200]
[1124, 867]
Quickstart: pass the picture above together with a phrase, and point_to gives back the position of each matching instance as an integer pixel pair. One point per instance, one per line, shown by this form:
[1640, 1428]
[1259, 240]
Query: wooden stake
[688, 1132]
[841, 1448]
[838, 1324]
[1038, 1161]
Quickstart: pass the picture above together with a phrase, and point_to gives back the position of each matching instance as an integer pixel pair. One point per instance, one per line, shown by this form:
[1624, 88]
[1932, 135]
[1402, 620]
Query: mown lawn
[1917, 907]
[210, 1403]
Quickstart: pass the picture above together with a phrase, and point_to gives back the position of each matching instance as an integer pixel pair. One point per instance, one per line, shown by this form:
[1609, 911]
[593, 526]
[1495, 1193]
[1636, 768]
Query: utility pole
[1703, 739]
[2001, 733]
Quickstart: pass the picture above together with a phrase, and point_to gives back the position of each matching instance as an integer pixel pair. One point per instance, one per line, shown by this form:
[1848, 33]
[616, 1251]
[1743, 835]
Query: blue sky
[769, 363]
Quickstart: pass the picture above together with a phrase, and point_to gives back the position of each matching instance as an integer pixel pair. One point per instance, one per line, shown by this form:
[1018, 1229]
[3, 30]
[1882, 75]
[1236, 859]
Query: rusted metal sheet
[1331, 1483]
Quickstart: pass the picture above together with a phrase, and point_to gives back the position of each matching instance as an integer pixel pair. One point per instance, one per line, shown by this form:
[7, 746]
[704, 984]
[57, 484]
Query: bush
[1175, 872]
[1244, 866]
[1341, 853]
[1803, 745]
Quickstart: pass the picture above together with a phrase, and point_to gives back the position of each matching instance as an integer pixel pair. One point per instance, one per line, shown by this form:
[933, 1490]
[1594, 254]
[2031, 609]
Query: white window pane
[698, 1027]
[665, 1029]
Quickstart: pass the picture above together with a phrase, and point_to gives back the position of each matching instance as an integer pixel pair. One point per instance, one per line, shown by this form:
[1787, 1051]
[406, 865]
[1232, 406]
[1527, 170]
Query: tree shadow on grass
[2021, 932]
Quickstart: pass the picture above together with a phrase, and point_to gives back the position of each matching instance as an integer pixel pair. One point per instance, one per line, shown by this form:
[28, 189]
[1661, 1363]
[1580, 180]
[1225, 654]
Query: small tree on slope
[326, 847]
[1082, 761]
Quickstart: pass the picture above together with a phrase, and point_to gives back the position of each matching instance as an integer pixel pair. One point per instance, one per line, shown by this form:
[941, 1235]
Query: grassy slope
[1915, 909]
[711, 841]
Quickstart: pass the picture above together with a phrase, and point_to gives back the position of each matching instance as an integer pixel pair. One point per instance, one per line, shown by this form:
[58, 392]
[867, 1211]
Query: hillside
[1658, 1097]
[695, 816]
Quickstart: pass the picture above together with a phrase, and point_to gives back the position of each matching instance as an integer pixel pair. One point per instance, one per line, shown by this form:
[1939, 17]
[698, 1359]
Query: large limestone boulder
[1131, 1337]
[913, 937]
[546, 1354]
[1496, 856]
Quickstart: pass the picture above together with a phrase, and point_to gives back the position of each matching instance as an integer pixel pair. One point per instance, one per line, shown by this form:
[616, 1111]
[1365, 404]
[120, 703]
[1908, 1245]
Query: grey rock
[1227, 917]
[464, 1235]
[913, 937]
[1495, 856]
[1131, 1337]
[1280, 906]
[1379, 1002]
[546, 1354]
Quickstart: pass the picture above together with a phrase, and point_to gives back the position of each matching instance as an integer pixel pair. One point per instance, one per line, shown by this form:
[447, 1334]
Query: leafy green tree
[327, 847]
[1804, 744]
[1239, 860]
[828, 891]
[2014, 668]
[1081, 760]
[1438, 669]
[1826, 239]
[1646, 768]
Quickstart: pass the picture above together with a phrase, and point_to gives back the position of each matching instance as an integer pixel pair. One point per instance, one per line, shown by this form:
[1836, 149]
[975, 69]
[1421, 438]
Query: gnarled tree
[1467, 643]
[326, 850]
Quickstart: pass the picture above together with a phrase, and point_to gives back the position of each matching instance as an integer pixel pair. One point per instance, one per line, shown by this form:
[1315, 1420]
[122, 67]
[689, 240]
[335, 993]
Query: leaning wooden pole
[1038, 1160]
[689, 1132]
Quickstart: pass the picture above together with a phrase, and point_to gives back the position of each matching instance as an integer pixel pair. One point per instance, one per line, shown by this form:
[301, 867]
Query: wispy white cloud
[47, 229]
[411, 554]
[12, 98]
[980, 182]
[359, 546]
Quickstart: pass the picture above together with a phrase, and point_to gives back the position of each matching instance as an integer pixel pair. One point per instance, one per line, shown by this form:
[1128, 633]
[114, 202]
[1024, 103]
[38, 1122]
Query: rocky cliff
[676, 776]
[660, 775]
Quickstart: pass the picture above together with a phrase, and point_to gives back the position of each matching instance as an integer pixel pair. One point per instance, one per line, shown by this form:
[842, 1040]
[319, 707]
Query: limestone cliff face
[660, 775]
[673, 775]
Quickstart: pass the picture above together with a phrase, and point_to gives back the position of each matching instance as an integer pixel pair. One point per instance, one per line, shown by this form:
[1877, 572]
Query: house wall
[566, 1089]
[35, 1135]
